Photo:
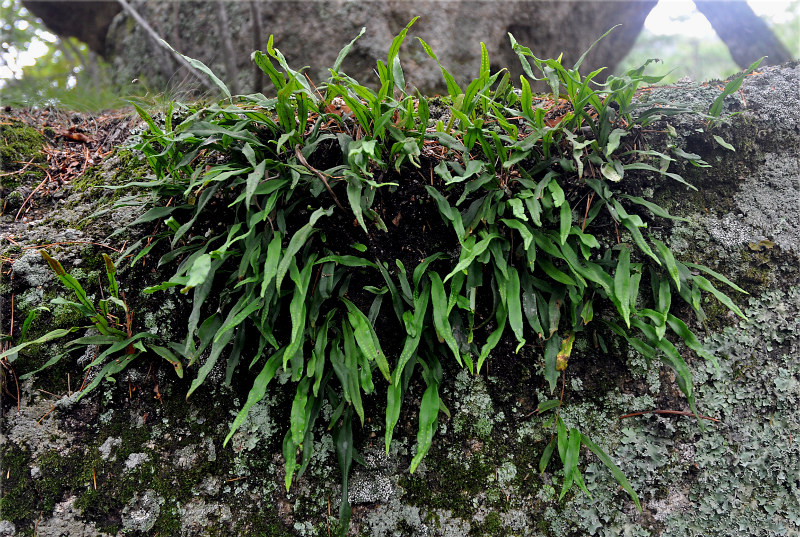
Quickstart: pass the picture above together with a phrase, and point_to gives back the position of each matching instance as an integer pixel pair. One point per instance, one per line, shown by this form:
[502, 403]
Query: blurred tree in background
[707, 57]
[39, 68]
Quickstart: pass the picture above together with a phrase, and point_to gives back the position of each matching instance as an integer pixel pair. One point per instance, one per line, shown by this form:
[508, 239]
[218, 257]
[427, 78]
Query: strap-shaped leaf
[570, 460]
[298, 240]
[494, 337]
[428, 418]
[718, 276]
[550, 359]
[615, 471]
[706, 285]
[441, 321]
[680, 328]
[412, 341]
[622, 288]
[367, 338]
[514, 303]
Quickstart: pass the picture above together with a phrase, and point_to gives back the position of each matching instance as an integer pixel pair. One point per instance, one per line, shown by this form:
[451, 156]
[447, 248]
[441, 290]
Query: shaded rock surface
[137, 458]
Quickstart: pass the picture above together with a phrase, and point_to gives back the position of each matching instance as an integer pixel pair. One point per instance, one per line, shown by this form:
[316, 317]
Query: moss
[463, 483]
[27, 497]
[492, 526]
[18, 503]
[20, 144]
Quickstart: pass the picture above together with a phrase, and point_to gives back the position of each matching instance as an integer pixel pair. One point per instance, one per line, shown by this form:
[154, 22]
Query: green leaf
[613, 141]
[732, 87]
[524, 232]
[422, 268]
[550, 353]
[610, 172]
[298, 311]
[544, 406]
[653, 208]
[354, 188]
[546, 454]
[514, 302]
[723, 143]
[622, 282]
[494, 337]
[570, 460]
[452, 87]
[198, 272]
[468, 256]
[412, 339]
[169, 356]
[200, 66]
[615, 471]
[428, 415]
[367, 338]
[688, 337]
[347, 261]
[441, 312]
[563, 438]
[298, 414]
[298, 240]
[343, 440]
[706, 285]
[271, 262]
[51, 335]
[394, 401]
[717, 275]
[566, 221]
[345, 50]
[557, 192]
[555, 273]
[255, 177]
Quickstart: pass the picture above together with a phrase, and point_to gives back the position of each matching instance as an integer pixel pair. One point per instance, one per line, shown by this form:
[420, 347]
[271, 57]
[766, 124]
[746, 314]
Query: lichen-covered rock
[137, 458]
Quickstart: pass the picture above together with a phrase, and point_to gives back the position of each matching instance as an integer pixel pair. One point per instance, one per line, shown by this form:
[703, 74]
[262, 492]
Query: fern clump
[353, 239]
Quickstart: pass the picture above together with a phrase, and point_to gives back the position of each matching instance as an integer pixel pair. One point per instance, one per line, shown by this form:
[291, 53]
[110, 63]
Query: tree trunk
[88, 21]
[314, 32]
[744, 33]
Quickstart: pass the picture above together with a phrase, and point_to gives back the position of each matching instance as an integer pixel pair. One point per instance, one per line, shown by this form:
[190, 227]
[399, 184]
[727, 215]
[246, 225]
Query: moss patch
[20, 144]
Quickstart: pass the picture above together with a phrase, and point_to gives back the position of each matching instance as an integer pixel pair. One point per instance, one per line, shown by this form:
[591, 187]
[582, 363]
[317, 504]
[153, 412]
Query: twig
[67, 242]
[674, 412]
[40, 185]
[52, 408]
[318, 173]
[161, 43]
[21, 170]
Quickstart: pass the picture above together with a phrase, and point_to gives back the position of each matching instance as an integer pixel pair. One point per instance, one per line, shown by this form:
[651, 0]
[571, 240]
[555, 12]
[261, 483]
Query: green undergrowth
[359, 239]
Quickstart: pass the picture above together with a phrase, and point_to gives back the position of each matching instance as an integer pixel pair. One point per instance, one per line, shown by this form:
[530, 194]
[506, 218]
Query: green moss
[20, 144]
[27, 497]
[492, 526]
[464, 481]
[18, 503]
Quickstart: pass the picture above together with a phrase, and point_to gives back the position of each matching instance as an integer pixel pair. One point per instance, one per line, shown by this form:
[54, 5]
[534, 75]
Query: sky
[669, 17]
